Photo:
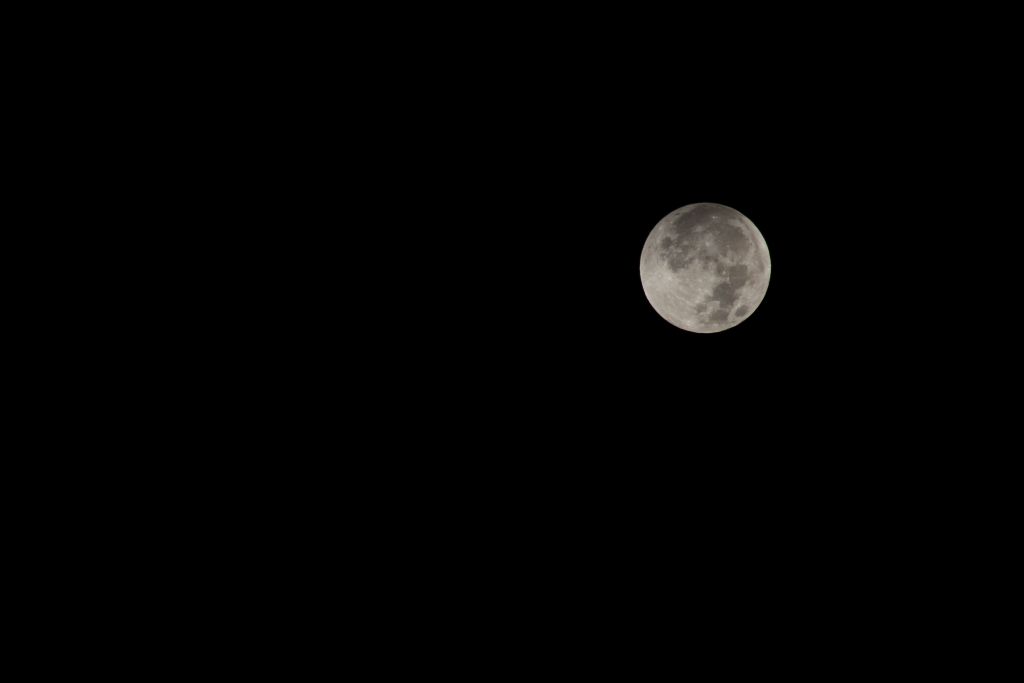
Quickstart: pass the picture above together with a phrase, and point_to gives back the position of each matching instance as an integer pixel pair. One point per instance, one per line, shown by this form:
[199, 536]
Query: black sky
[507, 181]
[392, 302]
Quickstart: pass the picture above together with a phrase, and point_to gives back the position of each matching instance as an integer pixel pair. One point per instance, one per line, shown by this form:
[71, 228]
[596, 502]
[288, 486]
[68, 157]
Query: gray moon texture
[705, 268]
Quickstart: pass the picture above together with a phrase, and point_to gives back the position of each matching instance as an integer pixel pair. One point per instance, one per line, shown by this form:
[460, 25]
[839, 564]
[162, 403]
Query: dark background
[527, 220]
[514, 173]
[462, 208]
[525, 383]
[432, 236]
[373, 284]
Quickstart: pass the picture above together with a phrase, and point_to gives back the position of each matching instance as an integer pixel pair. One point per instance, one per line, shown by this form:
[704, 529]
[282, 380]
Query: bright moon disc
[705, 268]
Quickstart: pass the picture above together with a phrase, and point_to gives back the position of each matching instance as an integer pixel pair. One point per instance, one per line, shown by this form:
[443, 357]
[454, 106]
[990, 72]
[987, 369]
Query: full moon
[705, 268]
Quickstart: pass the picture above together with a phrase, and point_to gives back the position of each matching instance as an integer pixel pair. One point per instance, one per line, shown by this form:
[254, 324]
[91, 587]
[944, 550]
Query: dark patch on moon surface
[738, 275]
[709, 259]
[725, 294]
[741, 311]
[732, 238]
[719, 316]
[678, 261]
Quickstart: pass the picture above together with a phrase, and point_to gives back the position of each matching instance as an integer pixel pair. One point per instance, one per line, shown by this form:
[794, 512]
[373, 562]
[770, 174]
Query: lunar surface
[705, 268]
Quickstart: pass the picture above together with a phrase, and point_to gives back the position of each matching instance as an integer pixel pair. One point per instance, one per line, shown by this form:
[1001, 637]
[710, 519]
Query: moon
[705, 268]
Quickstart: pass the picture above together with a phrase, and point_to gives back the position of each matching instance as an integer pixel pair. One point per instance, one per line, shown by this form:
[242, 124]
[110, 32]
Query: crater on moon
[705, 267]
